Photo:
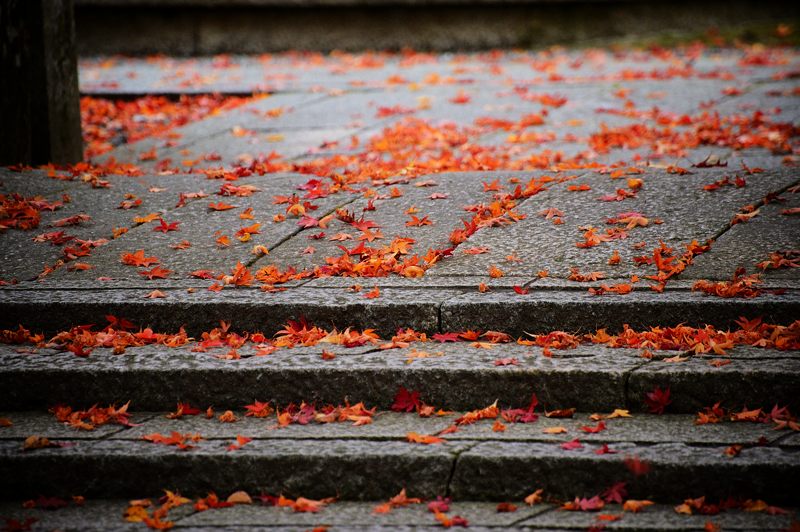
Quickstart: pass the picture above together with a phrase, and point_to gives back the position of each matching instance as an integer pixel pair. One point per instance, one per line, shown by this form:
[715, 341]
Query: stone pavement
[607, 230]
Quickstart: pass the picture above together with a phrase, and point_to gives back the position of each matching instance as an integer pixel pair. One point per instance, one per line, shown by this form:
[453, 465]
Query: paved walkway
[605, 230]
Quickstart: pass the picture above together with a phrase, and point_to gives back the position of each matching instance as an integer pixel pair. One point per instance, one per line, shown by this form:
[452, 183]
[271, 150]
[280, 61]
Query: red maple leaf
[572, 445]
[616, 493]
[406, 401]
[165, 227]
[657, 400]
[156, 273]
[445, 337]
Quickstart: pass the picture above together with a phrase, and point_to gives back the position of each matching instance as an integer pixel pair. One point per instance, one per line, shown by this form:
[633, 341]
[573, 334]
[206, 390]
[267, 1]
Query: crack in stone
[457, 454]
[759, 203]
[290, 236]
[521, 520]
[626, 377]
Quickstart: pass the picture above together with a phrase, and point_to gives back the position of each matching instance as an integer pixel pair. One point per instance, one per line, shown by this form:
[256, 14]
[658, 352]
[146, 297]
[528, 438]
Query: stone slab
[374, 470]
[251, 308]
[510, 470]
[695, 384]
[538, 312]
[394, 426]
[745, 245]
[657, 517]
[451, 376]
[105, 514]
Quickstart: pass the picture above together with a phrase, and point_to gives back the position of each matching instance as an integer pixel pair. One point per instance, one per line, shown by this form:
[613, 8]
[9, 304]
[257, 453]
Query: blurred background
[200, 27]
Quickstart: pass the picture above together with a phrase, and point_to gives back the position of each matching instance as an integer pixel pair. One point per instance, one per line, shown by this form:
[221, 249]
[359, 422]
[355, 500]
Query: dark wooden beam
[40, 107]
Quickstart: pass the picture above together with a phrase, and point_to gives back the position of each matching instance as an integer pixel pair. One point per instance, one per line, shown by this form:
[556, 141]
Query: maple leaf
[445, 337]
[418, 222]
[522, 291]
[37, 442]
[440, 505]
[637, 466]
[374, 293]
[258, 409]
[165, 227]
[137, 258]
[495, 272]
[506, 362]
[398, 501]
[535, 497]
[406, 401]
[657, 400]
[156, 294]
[227, 417]
[156, 273]
[183, 409]
[506, 507]
[139, 220]
[572, 445]
[414, 437]
[448, 522]
[562, 413]
[615, 493]
[181, 441]
[600, 427]
[240, 442]
[584, 505]
[460, 98]
[220, 206]
[71, 220]
[604, 449]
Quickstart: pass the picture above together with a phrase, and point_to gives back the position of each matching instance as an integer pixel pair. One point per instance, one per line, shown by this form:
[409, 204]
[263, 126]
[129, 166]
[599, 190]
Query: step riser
[462, 390]
[516, 315]
[380, 477]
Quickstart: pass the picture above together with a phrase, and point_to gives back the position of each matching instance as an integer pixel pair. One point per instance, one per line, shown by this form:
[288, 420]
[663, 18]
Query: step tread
[105, 514]
[376, 460]
[393, 426]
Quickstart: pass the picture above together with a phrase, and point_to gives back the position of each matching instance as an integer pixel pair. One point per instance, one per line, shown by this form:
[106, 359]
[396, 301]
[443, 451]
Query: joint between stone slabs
[110, 434]
[760, 203]
[253, 261]
[456, 456]
[777, 441]
[626, 378]
[542, 511]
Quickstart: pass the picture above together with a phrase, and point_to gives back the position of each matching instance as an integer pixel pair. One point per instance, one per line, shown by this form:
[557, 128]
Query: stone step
[106, 514]
[460, 375]
[663, 458]
[450, 304]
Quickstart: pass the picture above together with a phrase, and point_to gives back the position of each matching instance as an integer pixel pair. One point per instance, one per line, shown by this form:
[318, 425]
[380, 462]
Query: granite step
[459, 375]
[106, 514]
[666, 458]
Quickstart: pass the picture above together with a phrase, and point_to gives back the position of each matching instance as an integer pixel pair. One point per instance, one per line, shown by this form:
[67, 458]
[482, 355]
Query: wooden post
[39, 102]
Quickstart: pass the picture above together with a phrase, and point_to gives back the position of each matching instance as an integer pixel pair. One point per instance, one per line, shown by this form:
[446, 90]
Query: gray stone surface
[106, 514]
[393, 426]
[695, 384]
[675, 199]
[507, 471]
[315, 469]
[36, 423]
[539, 312]
[94, 515]
[369, 470]
[453, 376]
[744, 245]
[658, 517]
